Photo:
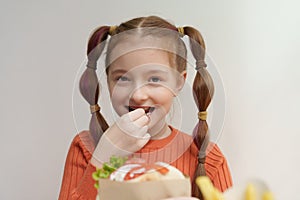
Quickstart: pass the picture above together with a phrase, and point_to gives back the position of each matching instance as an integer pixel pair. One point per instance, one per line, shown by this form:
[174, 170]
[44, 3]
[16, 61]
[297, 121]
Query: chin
[157, 122]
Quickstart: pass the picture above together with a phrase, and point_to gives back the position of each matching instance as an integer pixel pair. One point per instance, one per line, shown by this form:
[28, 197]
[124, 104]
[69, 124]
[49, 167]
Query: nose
[139, 95]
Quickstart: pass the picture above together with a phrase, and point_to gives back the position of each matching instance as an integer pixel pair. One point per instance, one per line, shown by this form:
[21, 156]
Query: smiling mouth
[147, 109]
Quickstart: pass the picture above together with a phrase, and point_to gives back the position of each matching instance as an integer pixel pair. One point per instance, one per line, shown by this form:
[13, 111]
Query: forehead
[142, 57]
[137, 45]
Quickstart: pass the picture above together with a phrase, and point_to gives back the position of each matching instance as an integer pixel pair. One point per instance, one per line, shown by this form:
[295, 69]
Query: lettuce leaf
[108, 168]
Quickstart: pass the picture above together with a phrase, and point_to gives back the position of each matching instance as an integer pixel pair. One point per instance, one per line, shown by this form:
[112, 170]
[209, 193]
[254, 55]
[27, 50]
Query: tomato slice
[144, 168]
[134, 173]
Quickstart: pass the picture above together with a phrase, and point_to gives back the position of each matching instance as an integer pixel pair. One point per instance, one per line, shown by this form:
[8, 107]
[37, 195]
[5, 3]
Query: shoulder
[214, 156]
[83, 142]
[217, 168]
[215, 160]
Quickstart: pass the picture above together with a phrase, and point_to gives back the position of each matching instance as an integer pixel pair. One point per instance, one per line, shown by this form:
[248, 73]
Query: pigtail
[89, 86]
[203, 89]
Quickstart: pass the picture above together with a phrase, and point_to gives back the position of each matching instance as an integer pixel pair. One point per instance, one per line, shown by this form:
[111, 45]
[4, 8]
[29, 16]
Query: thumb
[147, 136]
[143, 140]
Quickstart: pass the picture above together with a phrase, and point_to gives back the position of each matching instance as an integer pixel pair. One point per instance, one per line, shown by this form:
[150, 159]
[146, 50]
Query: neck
[160, 130]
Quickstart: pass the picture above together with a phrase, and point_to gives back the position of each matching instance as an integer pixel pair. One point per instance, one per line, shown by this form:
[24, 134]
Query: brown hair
[203, 90]
[203, 87]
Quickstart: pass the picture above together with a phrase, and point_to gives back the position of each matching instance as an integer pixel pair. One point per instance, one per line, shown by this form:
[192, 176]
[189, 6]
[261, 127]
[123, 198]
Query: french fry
[253, 191]
[250, 193]
[268, 196]
[209, 192]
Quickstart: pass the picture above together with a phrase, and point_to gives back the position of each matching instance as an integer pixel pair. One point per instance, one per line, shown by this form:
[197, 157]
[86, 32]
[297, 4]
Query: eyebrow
[118, 71]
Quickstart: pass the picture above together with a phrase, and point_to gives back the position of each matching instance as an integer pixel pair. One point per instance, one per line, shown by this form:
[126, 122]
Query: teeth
[151, 109]
[148, 110]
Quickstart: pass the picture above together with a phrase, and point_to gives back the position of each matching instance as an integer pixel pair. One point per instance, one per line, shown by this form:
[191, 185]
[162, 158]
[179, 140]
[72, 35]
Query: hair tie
[202, 115]
[112, 30]
[201, 160]
[180, 31]
[94, 108]
[200, 64]
[92, 64]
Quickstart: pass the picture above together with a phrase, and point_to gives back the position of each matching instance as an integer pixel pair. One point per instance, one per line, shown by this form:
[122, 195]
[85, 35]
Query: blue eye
[122, 78]
[154, 79]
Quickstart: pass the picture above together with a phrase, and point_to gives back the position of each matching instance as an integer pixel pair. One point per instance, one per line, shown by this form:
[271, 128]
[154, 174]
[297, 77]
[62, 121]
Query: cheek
[117, 95]
[163, 97]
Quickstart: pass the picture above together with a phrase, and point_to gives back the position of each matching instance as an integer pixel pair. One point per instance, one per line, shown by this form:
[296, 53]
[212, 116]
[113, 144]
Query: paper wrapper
[148, 190]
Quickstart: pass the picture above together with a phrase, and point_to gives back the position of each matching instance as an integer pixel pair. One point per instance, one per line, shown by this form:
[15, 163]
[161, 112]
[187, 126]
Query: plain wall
[255, 45]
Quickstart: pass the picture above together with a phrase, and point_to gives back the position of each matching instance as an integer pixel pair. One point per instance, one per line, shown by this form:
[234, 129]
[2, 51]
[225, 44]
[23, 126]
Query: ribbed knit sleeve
[77, 180]
[217, 169]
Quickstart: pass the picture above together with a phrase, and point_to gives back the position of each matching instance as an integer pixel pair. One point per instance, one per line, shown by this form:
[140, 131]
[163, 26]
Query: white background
[255, 45]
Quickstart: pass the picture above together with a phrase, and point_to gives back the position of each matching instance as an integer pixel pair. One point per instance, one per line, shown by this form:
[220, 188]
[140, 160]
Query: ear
[180, 81]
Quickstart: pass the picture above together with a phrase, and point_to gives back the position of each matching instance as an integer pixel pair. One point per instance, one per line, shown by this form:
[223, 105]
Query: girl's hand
[126, 136]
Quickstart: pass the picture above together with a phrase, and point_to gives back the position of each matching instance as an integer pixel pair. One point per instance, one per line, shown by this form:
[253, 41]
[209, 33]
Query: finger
[147, 136]
[142, 121]
[139, 132]
[135, 114]
[125, 122]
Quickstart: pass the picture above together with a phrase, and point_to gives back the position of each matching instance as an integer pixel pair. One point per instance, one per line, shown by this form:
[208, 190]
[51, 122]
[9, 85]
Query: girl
[146, 69]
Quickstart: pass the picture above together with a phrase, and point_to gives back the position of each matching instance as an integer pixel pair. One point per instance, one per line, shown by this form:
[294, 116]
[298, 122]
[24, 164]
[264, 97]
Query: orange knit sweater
[176, 149]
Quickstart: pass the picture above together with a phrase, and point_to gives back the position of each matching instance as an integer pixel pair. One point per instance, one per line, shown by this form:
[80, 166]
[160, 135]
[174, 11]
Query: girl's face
[144, 79]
